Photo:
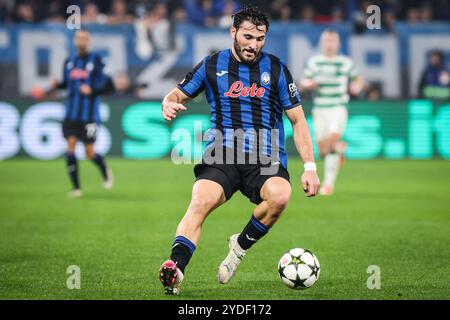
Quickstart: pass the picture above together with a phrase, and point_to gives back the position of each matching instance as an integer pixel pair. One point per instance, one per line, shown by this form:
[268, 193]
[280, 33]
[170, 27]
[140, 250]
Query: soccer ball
[299, 268]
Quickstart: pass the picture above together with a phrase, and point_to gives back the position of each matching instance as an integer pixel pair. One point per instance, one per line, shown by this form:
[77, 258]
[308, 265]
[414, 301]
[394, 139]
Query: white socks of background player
[332, 164]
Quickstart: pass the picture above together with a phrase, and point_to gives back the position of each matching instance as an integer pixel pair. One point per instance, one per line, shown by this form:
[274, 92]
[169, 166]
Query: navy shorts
[247, 178]
[86, 132]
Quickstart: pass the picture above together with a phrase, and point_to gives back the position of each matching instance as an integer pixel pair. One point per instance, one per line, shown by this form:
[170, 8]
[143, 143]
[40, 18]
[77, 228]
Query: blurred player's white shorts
[329, 120]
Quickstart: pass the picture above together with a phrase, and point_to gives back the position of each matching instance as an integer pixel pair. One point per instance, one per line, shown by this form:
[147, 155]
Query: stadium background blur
[393, 203]
[152, 44]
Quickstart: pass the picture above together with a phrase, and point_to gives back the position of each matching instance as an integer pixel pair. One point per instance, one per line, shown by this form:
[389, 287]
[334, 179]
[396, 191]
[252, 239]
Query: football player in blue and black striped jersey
[248, 91]
[84, 79]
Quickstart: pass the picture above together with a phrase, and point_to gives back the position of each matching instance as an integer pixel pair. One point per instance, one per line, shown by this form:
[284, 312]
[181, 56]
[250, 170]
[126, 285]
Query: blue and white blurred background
[402, 112]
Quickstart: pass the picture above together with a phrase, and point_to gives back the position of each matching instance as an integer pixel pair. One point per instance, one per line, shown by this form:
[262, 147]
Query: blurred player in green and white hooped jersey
[331, 76]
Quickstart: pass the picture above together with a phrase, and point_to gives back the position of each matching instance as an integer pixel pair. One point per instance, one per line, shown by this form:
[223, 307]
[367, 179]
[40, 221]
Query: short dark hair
[82, 29]
[330, 30]
[251, 14]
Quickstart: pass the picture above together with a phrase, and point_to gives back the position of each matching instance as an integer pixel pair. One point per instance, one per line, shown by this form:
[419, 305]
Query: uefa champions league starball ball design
[299, 268]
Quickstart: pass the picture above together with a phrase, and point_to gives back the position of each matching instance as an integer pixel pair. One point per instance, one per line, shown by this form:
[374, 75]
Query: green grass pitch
[394, 214]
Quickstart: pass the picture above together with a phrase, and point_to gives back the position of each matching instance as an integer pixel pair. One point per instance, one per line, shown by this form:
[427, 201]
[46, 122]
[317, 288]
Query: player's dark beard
[238, 50]
[83, 51]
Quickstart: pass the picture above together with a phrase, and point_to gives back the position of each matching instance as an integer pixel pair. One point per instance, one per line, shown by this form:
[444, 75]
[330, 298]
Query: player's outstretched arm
[307, 84]
[174, 102]
[39, 93]
[356, 86]
[304, 145]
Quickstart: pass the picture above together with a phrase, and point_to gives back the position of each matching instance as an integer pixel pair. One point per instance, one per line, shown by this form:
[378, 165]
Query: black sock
[252, 232]
[72, 168]
[182, 250]
[98, 160]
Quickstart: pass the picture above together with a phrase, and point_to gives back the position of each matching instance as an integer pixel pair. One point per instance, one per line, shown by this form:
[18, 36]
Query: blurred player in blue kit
[84, 79]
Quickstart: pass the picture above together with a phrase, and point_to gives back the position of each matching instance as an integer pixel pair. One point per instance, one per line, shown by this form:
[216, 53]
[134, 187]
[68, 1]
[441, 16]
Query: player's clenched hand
[37, 93]
[355, 88]
[311, 183]
[170, 109]
[85, 89]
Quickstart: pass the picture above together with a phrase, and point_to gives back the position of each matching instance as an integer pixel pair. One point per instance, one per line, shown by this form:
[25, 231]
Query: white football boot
[326, 190]
[228, 267]
[75, 193]
[109, 182]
